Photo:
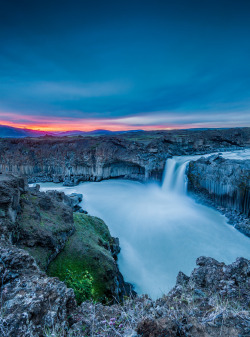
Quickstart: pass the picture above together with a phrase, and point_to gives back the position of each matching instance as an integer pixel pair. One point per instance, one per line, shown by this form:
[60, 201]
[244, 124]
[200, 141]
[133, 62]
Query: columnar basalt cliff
[139, 156]
[224, 182]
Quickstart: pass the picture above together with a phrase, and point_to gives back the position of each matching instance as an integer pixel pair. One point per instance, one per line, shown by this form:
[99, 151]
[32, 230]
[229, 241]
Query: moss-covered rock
[44, 225]
[88, 249]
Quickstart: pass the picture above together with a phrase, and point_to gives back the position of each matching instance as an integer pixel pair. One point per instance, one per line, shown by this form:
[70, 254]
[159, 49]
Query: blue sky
[124, 64]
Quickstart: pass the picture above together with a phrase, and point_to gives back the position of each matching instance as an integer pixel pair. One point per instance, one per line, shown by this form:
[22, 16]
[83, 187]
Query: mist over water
[161, 229]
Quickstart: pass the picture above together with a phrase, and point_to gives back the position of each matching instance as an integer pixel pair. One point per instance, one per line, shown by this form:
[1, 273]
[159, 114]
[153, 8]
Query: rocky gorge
[213, 301]
[139, 156]
[44, 236]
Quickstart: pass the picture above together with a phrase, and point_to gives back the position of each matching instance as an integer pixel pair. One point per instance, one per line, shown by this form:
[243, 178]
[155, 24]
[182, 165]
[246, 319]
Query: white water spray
[174, 177]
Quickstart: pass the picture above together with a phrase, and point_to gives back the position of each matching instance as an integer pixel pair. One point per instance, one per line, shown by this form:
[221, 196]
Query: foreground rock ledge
[213, 301]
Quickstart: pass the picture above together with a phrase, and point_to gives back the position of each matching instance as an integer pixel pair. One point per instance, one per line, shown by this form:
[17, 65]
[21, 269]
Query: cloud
[69, 90]
[147, 121]
[147, 63]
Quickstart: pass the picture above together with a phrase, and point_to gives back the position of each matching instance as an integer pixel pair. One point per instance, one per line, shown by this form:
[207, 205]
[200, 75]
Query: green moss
[84, 251]
[81, 283]
[93, 225]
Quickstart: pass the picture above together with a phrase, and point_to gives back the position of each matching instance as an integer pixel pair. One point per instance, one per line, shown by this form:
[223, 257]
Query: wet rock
[72, 200]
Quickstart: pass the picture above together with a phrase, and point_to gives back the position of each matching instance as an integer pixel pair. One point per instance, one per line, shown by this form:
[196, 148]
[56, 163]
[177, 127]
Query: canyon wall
[225, 182]
[33, 304]
[140, 156]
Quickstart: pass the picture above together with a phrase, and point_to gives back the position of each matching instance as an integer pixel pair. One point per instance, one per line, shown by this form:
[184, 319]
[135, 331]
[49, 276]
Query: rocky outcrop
[31, 303]
[10, 193]
[42, 224]
[73, 200]
[33, 220]
[213, 301]
[226, 183]
[92, 249]
[139, 156]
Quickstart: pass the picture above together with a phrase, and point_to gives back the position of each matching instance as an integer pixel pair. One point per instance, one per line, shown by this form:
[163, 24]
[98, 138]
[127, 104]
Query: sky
[121, 65]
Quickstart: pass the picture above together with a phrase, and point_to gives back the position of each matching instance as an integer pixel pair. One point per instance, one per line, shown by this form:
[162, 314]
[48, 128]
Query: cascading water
[174, 177]
[161, 229]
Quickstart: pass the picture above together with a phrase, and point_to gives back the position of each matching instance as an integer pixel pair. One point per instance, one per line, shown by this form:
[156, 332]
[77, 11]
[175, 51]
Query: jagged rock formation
[212, 302]
[226, 183]
[10, 190]
[31, 302]
[139, 156]
[42, 224]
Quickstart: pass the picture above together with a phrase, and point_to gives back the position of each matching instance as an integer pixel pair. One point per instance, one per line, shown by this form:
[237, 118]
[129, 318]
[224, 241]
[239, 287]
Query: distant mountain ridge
[12, 132]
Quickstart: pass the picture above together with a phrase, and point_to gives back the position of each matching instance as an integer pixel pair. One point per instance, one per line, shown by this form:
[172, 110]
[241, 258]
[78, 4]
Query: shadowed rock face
[225, 182]
[42, 224]
[10, 192]
[30, 301]
[139, 156]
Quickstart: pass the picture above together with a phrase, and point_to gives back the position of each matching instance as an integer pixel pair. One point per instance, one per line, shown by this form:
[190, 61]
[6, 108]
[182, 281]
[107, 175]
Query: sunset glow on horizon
[158, 120]
[176, 65]
[80, 125]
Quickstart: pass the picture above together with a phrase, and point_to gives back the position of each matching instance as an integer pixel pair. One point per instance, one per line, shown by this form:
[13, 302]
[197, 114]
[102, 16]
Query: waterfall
[161, 229]
[174, 178]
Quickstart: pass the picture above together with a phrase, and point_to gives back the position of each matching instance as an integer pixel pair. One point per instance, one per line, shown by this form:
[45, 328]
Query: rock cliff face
[139, 156]
[31, 302]
[226, 183]
[212, 301]
[42, 224]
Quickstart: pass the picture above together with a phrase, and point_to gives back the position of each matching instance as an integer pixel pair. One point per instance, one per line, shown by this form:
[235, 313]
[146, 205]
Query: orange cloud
[45, 123]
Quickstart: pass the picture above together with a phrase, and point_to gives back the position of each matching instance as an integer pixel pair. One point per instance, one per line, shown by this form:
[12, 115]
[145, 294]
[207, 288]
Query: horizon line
[50, 130]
